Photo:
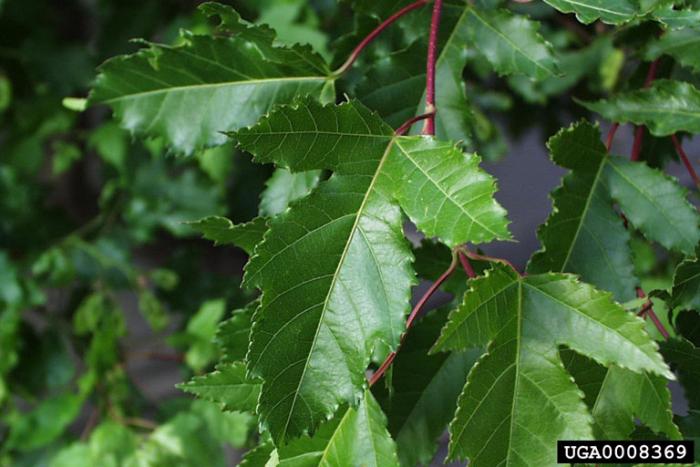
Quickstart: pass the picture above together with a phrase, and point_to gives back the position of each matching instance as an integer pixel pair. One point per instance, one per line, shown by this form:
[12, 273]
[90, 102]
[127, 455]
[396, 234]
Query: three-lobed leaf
[335, 270]
[521, 380]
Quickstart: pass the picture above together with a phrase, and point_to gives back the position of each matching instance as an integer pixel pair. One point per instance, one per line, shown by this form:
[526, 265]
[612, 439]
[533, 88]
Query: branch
[686, 162]
[429, 128]
[373, 35]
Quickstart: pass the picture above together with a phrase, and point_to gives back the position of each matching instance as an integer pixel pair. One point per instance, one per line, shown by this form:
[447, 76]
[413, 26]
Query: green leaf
[690, 426]
[511, 43]
[617, 397]
[45, 423]
[228, 386]
[684, 357]
[666, 107]
[424, 391]
[359, 437]
[200, 331]
[654, 203]
[283, 187]
[584, 234]
[233, 334]
[190, 93]
[588, 11]
[153, 310]
[258, 456]
[351, 225]
[521, 380]
[222, 231]
[681, 44]
[686, 286]
[677, 18]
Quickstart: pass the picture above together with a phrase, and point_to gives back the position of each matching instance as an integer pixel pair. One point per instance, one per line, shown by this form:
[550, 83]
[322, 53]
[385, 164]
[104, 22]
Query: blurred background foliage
[99, 271]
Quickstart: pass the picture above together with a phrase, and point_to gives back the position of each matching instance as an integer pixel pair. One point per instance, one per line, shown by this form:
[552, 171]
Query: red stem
[429, 293]
[639, 131]
[429, 128]
[412, 317]
[686, 162]
[403, 129]
[611, 135]
[478, 257]
[467, 265]
[373, 35]
[637, 145]
[648, 310]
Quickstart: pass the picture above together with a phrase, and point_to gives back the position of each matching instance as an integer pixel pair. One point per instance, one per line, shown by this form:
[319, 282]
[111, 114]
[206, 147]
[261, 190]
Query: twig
[430, 108]
[373, 35]
[686, 162]
[412, 317]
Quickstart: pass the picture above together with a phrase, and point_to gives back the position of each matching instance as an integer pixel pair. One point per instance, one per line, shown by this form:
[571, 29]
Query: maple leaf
[335, 269]
[521, 380]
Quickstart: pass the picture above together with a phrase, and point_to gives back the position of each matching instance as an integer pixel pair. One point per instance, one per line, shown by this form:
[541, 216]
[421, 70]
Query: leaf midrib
[584, 213]
[355, 226]
[189, 87]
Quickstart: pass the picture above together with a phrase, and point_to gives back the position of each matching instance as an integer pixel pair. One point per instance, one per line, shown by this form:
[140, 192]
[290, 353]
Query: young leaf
[283, 187]
[511, 43]
[359, 437]
[588, 11]
[666, 107]
[310, 353]
[424, 391]
[521, 380]
[584, 234]
[189, 94]
[654, 203]
[686, 286]
[227, 385]
[222, 231]
[681, 44]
